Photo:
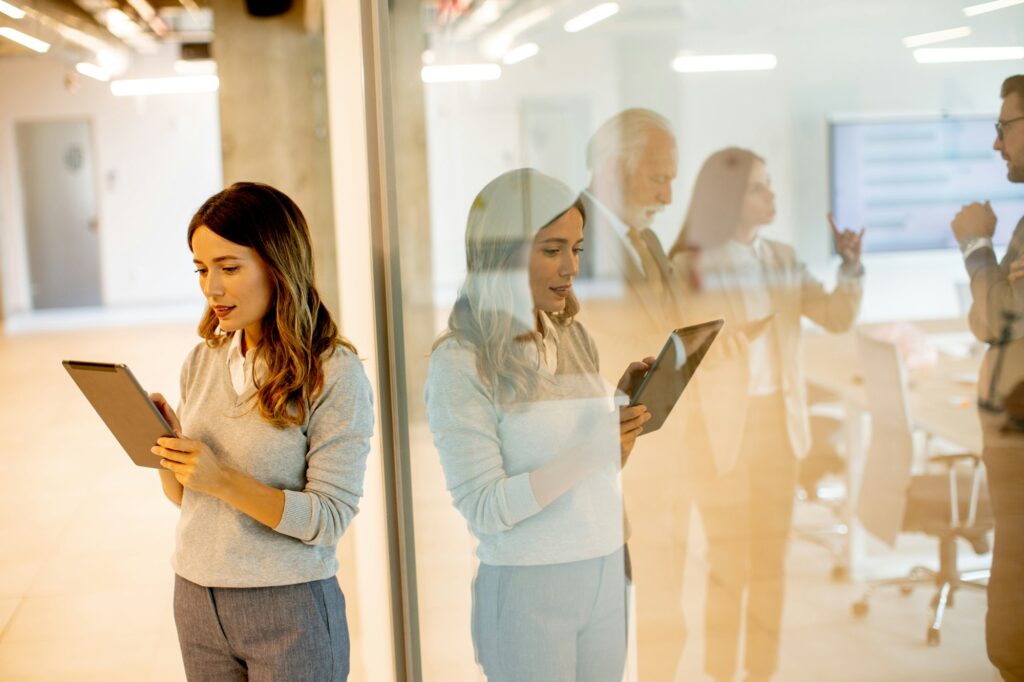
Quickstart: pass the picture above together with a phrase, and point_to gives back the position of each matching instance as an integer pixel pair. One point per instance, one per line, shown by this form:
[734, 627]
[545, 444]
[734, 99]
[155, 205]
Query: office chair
[819, 484]
[948, 505]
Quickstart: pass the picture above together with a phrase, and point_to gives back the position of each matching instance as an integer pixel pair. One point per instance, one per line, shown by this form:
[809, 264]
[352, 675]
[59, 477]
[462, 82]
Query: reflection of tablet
[665, 380]
[123, 406]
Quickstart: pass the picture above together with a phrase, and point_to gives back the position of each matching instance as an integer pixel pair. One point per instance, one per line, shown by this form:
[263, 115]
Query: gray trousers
[557, 623]
[289, 632]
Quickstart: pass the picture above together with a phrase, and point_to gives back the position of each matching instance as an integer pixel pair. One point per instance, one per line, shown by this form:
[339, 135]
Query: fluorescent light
[24, 39]
[454, 73]
[120, 24]
[92, 71]
[591, 17]
[937, 36]
[177, 85]
[945, 55]
[11, 11]
[974, 10]
[518, 54]
[699, 63]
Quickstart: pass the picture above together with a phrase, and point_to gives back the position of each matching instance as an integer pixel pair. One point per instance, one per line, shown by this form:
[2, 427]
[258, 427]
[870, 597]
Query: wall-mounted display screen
[904, 179]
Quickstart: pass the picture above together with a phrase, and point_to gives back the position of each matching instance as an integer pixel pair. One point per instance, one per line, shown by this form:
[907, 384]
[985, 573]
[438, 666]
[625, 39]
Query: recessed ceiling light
[703, 63]
[947, 55]
[24, 39]
[518, 54]
[11, 11]
[974, 10]
[455, 73]
[937, 36]
[591, 17]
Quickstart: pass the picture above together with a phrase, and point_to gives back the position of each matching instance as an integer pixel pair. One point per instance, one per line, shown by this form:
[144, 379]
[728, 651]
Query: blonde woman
[267, 465]
[531, 442]
[750, 427]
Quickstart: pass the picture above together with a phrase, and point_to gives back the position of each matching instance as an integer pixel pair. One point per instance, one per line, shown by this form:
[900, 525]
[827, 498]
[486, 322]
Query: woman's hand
[193, 463]
[166, 411]
[632, 419]
[631, 425]
[848, 243]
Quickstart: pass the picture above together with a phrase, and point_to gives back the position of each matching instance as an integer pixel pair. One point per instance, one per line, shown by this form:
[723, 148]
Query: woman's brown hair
[717, 200]
[298, 334]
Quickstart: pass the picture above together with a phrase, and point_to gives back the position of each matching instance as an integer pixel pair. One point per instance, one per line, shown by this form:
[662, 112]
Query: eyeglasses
[1001, 126]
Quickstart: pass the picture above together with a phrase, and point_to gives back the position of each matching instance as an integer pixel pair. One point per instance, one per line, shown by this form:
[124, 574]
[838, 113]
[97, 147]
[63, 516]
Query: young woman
[531, 442]
[752, 425]
[267, 465]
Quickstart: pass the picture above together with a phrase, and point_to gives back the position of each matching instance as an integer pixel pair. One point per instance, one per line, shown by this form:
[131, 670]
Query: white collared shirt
[546, 346]
[744, 265]
[620, 228]
[239, 368]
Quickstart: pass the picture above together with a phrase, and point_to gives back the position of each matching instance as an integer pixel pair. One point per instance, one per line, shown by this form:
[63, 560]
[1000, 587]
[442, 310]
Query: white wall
[158, 158]
[834, 58]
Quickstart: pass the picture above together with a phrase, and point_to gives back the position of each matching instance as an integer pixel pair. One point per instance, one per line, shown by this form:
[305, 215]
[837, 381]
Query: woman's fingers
[172, 454]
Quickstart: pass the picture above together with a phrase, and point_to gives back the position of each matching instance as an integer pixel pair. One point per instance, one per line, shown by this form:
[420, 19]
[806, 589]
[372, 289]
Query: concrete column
[273, 112]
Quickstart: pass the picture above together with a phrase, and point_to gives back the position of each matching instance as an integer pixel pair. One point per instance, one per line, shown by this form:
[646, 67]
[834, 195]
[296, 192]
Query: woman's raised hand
[848, 243]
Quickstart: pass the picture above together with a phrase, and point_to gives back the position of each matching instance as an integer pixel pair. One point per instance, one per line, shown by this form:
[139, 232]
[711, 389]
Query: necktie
[653, 274]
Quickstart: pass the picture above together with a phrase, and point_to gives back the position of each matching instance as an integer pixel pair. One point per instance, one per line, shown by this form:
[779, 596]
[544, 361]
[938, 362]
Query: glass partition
[577, 182]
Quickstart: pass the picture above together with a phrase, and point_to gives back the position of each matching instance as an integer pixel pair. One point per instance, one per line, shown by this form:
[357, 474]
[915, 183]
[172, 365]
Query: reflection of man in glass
[531, 444]
[630, 310]
[998, 309]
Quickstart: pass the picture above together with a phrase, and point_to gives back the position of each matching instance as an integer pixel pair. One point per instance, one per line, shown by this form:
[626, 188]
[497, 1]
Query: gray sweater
[319, 465]
[488, 450]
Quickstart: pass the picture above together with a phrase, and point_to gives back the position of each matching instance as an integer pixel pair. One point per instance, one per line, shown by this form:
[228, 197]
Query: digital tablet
[123, 406]
[661, 386]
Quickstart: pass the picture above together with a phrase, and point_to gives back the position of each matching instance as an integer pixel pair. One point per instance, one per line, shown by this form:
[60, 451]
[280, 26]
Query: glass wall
[790, 168]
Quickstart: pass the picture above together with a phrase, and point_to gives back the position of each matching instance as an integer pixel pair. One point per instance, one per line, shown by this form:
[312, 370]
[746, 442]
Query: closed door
[56, 164]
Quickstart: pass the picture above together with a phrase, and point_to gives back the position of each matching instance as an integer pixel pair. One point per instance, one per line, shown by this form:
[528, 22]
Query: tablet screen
[675, 366]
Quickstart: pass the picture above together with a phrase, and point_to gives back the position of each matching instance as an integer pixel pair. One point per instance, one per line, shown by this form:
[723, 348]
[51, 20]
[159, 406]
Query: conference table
[942, 396]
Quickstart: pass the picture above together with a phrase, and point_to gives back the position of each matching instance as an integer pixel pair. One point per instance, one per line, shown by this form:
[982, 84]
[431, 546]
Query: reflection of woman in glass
[268, 462]
[750, 426]
[531, 444]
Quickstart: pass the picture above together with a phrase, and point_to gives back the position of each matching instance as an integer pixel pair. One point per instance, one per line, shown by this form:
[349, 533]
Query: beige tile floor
[85, 584]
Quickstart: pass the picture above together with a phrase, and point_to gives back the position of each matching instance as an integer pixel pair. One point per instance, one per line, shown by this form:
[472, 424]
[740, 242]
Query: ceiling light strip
[24, 39]
[948, 55]
[974, 10]
[937, 36]
[706, 63]
[591, 17]
[11, 11]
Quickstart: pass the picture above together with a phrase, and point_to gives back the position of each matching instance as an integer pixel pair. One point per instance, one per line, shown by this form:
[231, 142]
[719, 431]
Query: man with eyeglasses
[997, 318]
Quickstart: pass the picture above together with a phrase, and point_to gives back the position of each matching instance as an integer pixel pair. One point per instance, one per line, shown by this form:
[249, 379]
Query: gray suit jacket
[993, 297]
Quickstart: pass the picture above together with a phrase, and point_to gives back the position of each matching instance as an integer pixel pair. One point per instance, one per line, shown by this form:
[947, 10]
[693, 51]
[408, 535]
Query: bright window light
[974, 10]
[455, 73]
[518, 54]
[11, 11]
[176, 85]
[946, 55]
[702, 63]
[591, 17]
[937, 36]
[92, 71]
[24, 39]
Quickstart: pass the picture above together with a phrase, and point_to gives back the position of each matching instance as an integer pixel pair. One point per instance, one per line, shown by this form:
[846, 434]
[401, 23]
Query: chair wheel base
[906, 590]
[860, 608]
[933, 637]
[840, 574]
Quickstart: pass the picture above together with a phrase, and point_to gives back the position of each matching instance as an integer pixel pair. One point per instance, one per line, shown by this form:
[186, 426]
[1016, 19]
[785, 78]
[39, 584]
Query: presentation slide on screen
[904, 179]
